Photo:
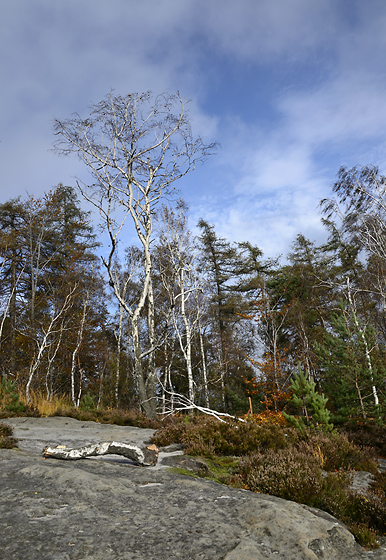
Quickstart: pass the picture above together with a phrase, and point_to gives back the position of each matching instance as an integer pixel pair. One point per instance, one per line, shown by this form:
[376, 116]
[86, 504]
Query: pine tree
[309, 403]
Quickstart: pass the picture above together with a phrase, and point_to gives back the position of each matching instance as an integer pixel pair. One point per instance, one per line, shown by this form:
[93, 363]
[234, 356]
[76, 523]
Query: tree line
[175, 321]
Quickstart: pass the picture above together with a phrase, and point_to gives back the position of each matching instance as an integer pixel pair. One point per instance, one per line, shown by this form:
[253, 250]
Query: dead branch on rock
[179, 403]
[145, 456]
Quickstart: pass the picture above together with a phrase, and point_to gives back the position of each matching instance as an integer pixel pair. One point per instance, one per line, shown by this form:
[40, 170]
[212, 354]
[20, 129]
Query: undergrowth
[61, 405]
[6, 439]
[262, 454]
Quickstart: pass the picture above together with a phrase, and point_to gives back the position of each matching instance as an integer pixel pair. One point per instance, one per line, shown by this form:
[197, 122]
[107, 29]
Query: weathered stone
[113, 510]
[184, 462]
[361, 481]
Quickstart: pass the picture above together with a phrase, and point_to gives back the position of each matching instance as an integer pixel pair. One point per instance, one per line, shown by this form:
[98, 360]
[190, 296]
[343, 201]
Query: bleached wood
[145, 456]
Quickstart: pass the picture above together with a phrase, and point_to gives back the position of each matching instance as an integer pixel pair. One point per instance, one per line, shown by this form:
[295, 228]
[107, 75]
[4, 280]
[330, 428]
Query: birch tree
[135, 146]
[48, 333]
[181, 281]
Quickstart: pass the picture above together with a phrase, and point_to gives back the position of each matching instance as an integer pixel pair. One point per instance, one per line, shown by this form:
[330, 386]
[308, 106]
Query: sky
[290, 89]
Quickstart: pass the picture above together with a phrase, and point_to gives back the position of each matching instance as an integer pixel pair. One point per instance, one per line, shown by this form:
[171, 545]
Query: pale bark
[181, 403]
[204, 371]
[176, 264]
[145, 456]
[362, 334]
[135, 152]
[45, 342]
[76, 351]
[51, 359]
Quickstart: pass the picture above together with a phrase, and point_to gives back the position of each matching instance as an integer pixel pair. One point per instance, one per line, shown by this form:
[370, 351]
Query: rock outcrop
[98, 509]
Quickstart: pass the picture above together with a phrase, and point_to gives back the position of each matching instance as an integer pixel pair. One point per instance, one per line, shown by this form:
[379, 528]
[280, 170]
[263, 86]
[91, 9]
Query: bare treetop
[135, 140]
[135, 147]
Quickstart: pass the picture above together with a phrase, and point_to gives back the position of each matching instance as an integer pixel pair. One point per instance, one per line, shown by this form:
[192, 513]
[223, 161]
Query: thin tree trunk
[365, 344]
[204, 372]
[77, 347]
[360, 400]
[118, 362]
[45, 342]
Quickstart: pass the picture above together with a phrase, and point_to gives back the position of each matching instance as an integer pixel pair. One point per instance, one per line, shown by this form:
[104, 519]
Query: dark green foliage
[10, 398]
[310, 404]
[346, 381]
[87, 402]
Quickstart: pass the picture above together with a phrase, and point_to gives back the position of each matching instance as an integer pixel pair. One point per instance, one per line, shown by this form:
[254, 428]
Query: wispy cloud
[320, 66]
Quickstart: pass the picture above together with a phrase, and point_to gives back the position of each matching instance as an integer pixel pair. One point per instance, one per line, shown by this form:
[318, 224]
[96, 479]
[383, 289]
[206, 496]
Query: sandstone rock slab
[98, 510]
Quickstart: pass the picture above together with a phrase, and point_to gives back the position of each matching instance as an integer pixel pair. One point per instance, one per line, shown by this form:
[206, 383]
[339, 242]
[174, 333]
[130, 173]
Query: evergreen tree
[346, 378]
[234, 272]
[310, 404]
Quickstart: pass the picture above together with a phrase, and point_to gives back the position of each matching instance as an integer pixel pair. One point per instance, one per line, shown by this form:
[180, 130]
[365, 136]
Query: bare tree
[75, 353]
[180, 279]
[54, 327]
[135, 147]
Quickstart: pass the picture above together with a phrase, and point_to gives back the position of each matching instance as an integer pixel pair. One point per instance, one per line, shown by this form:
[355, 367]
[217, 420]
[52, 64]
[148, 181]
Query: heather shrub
[367, 509]
[6, 439]
[208, 436]
[367, 435]
[337, 452]
[288, 473]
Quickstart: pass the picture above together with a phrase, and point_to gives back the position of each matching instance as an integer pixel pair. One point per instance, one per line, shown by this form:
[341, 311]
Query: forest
[180, 322]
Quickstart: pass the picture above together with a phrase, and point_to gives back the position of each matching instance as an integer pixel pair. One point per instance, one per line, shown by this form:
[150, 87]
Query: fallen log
[145, 456]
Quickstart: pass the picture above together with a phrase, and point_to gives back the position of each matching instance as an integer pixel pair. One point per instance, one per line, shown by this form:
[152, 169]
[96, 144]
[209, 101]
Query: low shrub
[337, 451]
[207, 436]
[288, 473]
[87, 402]
[366, 435]
[6, 439]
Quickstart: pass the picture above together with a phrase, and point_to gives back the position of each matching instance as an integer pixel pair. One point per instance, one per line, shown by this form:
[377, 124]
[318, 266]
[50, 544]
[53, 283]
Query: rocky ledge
[113, 510]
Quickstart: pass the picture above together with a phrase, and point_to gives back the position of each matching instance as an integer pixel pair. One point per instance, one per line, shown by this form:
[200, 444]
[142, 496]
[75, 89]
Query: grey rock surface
[95, 509]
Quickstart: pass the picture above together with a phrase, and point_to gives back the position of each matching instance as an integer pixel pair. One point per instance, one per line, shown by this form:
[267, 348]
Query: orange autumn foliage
[273, 382]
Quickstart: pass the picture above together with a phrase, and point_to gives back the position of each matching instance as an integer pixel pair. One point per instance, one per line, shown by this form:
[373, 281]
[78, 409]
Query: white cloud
[321, 64]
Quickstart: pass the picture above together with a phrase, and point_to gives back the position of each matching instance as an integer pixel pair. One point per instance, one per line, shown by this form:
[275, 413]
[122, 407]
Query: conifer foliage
[309, 405]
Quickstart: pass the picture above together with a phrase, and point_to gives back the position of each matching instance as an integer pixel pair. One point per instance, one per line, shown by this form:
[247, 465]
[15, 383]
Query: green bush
[87, 402]
[9, 397]
[307, 402]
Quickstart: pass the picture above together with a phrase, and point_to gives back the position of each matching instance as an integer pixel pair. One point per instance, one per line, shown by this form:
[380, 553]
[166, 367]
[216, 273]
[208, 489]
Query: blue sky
[291, 89]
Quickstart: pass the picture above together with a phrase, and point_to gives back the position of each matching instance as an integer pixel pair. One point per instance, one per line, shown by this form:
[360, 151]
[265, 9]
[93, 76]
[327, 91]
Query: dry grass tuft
[6, 439]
